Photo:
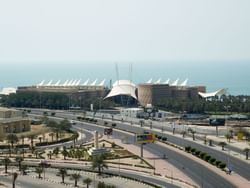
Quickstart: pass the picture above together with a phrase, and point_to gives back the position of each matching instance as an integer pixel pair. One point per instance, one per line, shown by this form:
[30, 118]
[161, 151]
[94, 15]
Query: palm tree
[183, 133]
[62, 172]
[192, 132]
[6, 161]
[12, 138]
[23, 169]
[228, 137]
[39, 171]
[246, 150]
[56, 151]
[222, 144]
[87, 181]
[75, 177]
[19, 161]
[22, 137]
[32, 137]
[98, 162]
[14, 179]
[40, 139]
[65, 153]
[52, 136]
[49, 154]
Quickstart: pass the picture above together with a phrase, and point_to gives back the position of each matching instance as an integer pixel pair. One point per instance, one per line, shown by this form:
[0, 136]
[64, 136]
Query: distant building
[131, 112]
[151, 93]
[73, 89]
[12, 121]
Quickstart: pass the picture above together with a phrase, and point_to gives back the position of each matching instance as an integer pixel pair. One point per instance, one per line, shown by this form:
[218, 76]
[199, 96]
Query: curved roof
[122, 87]
[213, 94]
[8, 90]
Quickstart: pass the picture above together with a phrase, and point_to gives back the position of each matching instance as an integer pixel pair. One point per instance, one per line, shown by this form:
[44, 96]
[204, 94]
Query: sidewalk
[162, 166]
[234, 178]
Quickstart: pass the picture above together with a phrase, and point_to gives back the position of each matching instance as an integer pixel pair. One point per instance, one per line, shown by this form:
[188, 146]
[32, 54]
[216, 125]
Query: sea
[234, 76]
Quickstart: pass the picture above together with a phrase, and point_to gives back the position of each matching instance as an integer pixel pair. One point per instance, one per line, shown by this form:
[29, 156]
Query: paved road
[203, 176]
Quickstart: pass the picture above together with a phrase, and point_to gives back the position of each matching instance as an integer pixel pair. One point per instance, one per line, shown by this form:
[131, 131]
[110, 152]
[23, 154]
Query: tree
[75, 177]
[52, 136]
[50, 154]
[192, 132]
[65, 125]
[14, 179]
[183, 133]
[222, 144]
[12, 138]
[101, 185]
[23, 169]
[246, 150]
[87, 181]
[32, 137]
[6, 161]
[22, 137]
[19, 161]
[99, 163]
[62, 172]
[39, 171]
[228, 137]
[65, 153]
[56, 151]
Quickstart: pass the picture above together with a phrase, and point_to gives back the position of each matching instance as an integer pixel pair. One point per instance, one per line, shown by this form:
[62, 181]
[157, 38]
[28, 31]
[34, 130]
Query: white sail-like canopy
[167, 81]
[49, 83]
[70, 83]
[213, 94]
[57, 83]
[175, 83]
[158, 81]
[86, 82]
[65, 83]
[8, 90]
[123, 87]
[74, 83]
[102, 82]
[149, 81]
[41, 83]
[93, 83]
[78, 82]
[184, 83]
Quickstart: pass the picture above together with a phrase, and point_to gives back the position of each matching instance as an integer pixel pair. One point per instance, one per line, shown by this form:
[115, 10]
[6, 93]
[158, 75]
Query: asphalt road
[203, 176]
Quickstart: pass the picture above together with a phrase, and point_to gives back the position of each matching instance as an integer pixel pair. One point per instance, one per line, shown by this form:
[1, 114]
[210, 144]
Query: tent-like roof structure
[122, 87]
[213, 94]
[8, 90]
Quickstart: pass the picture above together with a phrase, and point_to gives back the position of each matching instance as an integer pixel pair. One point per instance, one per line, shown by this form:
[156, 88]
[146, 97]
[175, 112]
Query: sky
[138, 31]
[207, 41]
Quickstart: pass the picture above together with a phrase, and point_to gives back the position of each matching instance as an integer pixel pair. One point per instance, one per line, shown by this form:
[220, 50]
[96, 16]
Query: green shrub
[187, 148]
[193, 150]
[212, 160]
[222, 165]
[207, 157]
[203, 154]
[218, 163]
[197, 153]
[164, 139]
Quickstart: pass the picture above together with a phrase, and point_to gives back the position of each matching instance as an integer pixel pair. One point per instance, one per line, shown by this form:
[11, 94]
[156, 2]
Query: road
[200, 174]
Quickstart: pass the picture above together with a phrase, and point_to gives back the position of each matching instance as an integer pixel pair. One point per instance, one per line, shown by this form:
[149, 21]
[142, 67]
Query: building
[131, 112]
[73, 89]
[153, 93]
[12, 121]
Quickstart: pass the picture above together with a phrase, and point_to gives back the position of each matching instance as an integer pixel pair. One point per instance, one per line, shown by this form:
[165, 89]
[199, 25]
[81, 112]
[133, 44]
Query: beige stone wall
[15, 126]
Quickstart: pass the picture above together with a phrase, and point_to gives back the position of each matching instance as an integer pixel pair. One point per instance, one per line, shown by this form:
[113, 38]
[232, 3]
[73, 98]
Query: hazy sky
[128, 30]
